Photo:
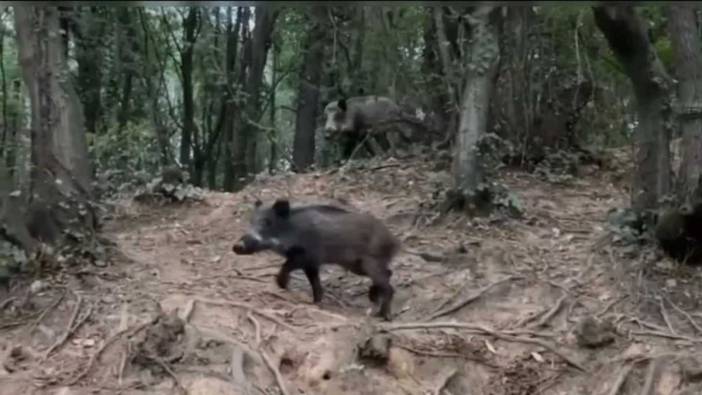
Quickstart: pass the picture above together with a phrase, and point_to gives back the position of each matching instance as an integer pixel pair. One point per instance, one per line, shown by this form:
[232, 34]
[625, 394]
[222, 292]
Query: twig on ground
[545, 318]
[266, 359]
[686, 315]
[487, 331]
[650, 377]
[257, 327]
[462, 303]
[46, 311]
[664, 314]
[6, 302]
[107, 343]
[609, 306]
[247, 306]
[170, 372]
[188, 310]
[441, 354]
[665, 335]
[122, 366]
[71, 328]
[444, 380]
[621, 378]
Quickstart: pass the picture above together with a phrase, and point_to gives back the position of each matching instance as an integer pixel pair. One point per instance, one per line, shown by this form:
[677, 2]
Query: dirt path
[524, 287]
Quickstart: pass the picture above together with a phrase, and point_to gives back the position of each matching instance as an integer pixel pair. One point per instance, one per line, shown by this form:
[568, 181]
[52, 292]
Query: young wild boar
[314, 235]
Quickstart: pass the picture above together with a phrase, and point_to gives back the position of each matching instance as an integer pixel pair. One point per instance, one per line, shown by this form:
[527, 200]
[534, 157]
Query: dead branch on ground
[107, 343]
[247, 306]
[441, 311]
[685, 314]
[266, 359]
[487, 331]
[72, 327]
[46, 311]
[664, 314]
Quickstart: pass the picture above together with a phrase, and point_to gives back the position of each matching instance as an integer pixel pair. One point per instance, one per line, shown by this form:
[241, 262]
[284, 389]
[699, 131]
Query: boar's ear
[258, 203]
[342, 104]
[281, 208]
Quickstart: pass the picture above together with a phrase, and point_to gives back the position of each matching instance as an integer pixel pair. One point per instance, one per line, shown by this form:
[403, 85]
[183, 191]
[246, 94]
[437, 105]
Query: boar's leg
[312, 273]
[298, 259]
[293, 262]
[380, 292]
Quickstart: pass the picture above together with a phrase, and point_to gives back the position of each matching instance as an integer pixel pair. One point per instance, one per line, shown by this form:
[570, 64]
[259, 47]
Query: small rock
[591, 333]
[671, 283]
[37, 286]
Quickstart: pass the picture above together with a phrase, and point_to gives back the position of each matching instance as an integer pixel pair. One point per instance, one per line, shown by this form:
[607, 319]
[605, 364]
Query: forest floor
[539, 305]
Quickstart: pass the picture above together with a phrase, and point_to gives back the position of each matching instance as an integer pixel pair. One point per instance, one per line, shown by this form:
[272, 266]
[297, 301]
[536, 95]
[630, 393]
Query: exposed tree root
[271, 366]
[462, 303]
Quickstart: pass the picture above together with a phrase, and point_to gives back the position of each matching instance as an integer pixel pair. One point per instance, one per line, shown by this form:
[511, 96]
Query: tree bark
[683, 28]
[186, 71]
[129, 47]
[53, 98]
[254, 57]
[627, 36]
[484, 54]
[308, 90]
[229, 106]
[60, 177]
[89, 59]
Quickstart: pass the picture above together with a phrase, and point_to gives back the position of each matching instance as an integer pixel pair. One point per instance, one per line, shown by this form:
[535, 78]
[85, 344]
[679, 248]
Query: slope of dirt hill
[541, 305]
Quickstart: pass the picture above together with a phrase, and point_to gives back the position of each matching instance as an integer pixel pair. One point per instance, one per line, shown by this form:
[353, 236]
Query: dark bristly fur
[314, 235]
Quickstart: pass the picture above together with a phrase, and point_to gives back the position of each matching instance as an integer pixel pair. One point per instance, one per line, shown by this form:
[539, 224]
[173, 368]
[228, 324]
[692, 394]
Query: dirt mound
[540, 305]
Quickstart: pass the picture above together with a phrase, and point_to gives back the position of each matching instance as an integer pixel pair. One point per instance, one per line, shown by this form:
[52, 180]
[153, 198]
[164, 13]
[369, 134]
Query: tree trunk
[44, 64]
[484, 54]
[186, 71]
[229, 107]
[89, 59]
[274, 139]
[308, 91]
[60, 177]
[245, 136]
[627, 36]
[683, 27]
[129, 48]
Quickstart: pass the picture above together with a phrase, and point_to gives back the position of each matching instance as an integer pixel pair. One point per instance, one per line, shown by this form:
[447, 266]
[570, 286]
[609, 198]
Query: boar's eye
[267, 222]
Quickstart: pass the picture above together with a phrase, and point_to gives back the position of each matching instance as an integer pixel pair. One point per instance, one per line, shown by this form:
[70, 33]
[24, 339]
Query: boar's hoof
[282, 280]
[385, 315]
[240, 249]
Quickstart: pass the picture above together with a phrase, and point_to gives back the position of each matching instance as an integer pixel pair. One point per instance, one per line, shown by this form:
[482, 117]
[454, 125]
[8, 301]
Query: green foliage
[133, 148]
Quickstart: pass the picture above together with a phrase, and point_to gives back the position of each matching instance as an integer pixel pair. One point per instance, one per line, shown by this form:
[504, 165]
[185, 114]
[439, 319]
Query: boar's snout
[247, 245]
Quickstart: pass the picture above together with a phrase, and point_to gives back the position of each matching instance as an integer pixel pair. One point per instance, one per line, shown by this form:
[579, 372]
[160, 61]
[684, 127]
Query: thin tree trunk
[308, 91]
[273, 139]
[229, 107]
[474, 110]
[186, 70]
[255, 53]
[682, 24]
[627, 35]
